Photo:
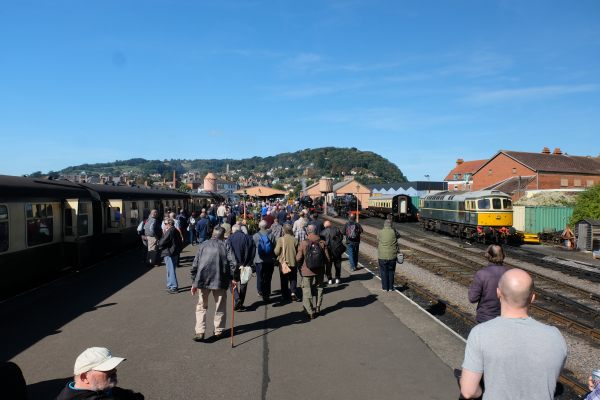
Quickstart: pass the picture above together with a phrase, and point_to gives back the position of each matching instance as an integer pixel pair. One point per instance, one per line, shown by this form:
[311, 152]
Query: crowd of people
[517, 356]
[307, 251]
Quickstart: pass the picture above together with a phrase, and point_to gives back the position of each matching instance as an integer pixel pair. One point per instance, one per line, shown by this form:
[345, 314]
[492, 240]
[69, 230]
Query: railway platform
[562, 253]
[366, 344]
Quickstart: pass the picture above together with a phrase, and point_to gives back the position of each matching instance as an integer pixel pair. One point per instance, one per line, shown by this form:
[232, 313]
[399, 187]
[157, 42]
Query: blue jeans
[171, 263]
[192, 235]
[352, 252]
[264, 275]
[387, 270]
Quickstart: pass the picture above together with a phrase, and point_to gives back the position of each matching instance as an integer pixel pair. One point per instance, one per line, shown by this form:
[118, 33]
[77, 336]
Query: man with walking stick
[212, 272]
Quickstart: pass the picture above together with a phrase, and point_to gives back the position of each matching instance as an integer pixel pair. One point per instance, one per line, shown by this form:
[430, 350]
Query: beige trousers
[220, 296]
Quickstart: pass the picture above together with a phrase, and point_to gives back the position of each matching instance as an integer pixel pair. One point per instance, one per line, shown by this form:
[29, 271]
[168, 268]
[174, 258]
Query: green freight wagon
[541, 220]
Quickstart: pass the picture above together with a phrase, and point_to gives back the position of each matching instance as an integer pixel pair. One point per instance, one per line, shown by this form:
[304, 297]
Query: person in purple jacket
[483, 288]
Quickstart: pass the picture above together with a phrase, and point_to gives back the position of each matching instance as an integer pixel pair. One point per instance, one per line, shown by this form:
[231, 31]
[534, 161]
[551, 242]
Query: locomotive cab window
[507, 204]
[4, 229]
[497, 204]
[483, 204]
[40, 223]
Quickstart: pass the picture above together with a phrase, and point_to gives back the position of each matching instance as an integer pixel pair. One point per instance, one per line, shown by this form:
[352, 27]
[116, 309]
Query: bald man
[520, 357]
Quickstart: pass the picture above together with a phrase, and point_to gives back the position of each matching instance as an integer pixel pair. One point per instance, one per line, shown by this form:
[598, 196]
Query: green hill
[368, 167]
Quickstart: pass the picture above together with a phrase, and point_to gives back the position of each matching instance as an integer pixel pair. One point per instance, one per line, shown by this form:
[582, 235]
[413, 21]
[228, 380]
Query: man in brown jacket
[313, 255]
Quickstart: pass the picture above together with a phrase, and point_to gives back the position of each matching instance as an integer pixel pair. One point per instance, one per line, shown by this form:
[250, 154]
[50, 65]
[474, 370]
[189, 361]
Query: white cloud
[530, 93]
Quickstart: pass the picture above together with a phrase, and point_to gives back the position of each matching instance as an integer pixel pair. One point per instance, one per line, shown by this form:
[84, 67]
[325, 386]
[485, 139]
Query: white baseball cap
[96, 358]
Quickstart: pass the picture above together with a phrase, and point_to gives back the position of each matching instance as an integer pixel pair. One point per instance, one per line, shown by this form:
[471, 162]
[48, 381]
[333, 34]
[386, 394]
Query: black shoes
[199, 337]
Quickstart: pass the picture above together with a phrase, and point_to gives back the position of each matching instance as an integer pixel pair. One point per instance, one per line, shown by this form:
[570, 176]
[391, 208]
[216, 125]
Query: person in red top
[269, 219]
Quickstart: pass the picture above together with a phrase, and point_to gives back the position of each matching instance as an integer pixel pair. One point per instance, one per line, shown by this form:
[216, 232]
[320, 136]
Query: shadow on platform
[29, 318]
[47, 389]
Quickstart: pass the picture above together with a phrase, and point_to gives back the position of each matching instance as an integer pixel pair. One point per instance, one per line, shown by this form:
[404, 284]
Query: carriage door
[70, 219]
[402, 206]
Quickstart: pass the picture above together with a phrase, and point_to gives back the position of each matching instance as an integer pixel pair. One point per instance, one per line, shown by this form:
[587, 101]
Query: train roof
[133, 192]
[21, 188]
[387, 196]
[33, 189]
[461, 195]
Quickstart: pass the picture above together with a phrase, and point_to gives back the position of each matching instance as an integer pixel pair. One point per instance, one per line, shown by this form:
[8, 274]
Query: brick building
[537, 171]
[461, 177]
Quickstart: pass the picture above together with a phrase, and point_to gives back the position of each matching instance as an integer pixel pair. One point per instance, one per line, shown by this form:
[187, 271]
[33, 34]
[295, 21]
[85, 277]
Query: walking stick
[232, 313]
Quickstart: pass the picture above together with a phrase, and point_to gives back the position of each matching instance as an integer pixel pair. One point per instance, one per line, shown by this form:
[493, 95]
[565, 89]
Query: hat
[96, 358]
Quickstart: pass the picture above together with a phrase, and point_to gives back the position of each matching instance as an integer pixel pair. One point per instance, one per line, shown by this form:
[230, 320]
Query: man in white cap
[95, 375]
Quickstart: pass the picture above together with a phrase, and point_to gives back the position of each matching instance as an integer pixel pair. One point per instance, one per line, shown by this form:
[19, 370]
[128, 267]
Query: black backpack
[336, 244]
[352, 231]
[315, 256]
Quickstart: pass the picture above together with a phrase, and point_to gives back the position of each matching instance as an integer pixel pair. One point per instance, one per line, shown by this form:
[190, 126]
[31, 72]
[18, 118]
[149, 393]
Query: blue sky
[421, 83]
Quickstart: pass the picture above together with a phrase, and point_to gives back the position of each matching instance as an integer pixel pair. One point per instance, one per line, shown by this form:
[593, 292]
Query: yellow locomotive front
[491, 214]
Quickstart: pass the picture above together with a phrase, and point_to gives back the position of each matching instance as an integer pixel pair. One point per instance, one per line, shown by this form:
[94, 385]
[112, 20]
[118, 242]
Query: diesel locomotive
[47, 226]
[399, 206]
[484, 215]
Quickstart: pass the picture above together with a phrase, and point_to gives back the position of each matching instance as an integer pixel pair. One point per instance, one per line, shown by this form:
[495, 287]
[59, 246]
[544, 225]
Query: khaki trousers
[220, 296]
[308, 283]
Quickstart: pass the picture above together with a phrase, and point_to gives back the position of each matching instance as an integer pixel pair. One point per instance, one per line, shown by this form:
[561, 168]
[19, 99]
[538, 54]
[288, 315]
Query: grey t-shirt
[521, 358]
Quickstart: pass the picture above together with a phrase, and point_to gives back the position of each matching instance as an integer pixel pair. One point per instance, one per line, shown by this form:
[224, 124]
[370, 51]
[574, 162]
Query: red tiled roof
[466, 167]
[513, 184]
[555, 162]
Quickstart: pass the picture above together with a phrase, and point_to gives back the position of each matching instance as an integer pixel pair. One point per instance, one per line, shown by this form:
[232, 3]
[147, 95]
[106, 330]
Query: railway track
[586, 273]
[436, 306]
[559, 310]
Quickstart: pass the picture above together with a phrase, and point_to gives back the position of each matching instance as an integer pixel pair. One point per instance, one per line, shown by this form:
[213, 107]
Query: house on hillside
[516, 172]
[461, 177]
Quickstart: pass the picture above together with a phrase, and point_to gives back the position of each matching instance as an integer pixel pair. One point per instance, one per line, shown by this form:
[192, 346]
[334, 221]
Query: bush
[587, 205]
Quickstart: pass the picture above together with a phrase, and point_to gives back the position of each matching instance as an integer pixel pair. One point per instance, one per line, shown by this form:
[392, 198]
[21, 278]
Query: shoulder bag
[400, 257]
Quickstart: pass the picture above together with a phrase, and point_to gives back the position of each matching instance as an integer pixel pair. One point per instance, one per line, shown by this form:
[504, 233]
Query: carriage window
[83, 225]
[483, 204]
[69, 221]
[497, 204]
[3, 228]
[133, 214]
[507, 204]
[40, 223]
[114, 217]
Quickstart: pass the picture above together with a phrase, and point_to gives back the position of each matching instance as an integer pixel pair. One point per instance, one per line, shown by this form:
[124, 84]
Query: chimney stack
[557, 151]
[459, 161]
[174, 180]
[546, 150]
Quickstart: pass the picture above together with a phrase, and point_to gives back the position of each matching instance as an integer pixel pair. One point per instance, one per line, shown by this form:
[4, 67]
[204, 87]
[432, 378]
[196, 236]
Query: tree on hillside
[587, 205]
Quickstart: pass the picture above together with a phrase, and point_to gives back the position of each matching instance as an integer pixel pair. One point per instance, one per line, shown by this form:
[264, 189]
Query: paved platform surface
[563, 253]
[363, 346]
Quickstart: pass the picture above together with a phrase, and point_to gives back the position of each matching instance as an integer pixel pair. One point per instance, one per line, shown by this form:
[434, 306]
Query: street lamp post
[357, 212]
